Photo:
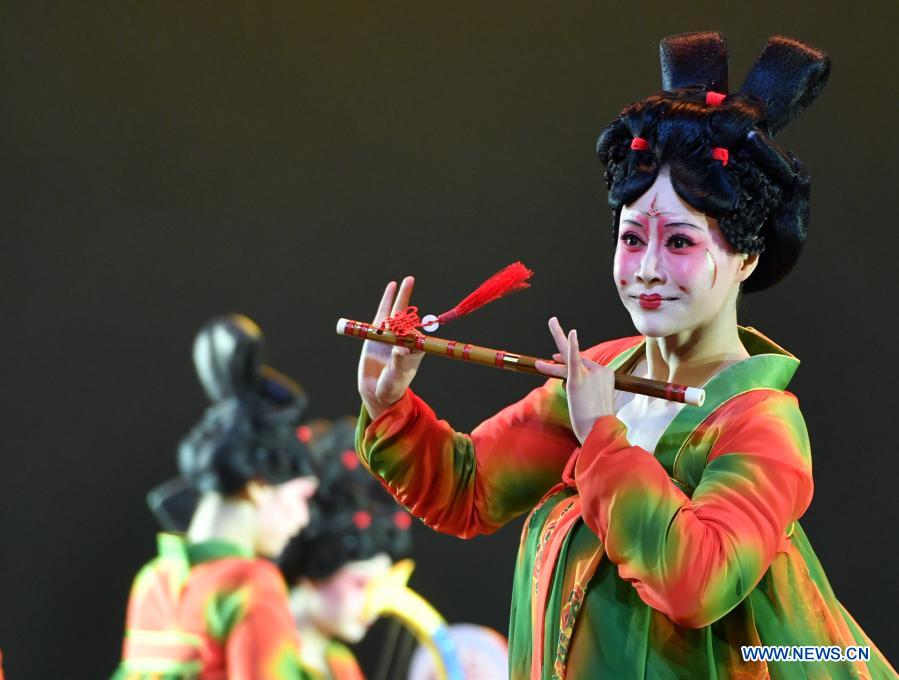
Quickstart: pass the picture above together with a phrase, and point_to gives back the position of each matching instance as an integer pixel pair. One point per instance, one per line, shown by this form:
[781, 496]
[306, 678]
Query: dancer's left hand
[590, 386]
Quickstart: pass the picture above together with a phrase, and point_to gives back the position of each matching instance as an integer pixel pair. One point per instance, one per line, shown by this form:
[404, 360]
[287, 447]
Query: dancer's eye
[629, 238]
[679, 241]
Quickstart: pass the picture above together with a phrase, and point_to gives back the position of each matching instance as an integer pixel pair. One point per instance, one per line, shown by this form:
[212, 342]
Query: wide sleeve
[464, 484]
[262, 640]
[694, 559]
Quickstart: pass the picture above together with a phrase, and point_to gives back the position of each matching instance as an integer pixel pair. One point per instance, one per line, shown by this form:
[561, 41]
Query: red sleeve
[694, 559]
[467, 485]
[263, 644]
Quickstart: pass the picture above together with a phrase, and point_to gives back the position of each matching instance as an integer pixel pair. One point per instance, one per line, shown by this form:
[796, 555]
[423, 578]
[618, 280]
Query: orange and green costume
[341, 663]
[209, 611]
[635, 564]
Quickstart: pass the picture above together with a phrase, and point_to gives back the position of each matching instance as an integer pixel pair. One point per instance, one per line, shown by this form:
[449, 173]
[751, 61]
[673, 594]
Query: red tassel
[505, 282]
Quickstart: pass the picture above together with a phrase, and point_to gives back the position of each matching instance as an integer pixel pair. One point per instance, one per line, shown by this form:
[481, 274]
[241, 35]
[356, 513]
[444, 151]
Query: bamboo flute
[512, 361]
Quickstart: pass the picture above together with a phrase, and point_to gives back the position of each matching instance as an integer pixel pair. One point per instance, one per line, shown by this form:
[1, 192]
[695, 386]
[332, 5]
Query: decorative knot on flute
[403, 323]
[508, 280]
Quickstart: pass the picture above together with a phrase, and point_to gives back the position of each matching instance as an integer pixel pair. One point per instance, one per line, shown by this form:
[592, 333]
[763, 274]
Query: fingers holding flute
[559, 369]
[589, 386]
[384, 372]
[374, 355]
[403, 359]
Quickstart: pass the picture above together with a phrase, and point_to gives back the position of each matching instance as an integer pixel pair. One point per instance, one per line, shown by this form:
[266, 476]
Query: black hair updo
[760, 195]
[352, 517]
[250, 431]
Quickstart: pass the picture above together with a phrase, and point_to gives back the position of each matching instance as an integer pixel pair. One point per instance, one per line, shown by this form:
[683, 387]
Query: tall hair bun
[228, 356]
[691, 59]
[250, 430]
[788, 76]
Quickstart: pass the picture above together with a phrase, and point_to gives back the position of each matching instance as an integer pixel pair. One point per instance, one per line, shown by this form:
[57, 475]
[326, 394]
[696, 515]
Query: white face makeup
[674, 269]
[337, 603]
[283, 511]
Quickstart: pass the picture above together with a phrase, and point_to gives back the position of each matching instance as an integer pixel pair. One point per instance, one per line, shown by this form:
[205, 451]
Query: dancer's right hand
[385, 372]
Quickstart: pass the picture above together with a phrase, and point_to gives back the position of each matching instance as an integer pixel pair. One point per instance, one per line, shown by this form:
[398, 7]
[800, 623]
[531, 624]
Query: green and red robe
[209, 611]
[341, 664]
[631, 564]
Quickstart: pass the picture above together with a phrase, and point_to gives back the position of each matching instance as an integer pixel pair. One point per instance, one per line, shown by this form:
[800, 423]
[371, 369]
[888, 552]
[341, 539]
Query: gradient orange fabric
[212, 611]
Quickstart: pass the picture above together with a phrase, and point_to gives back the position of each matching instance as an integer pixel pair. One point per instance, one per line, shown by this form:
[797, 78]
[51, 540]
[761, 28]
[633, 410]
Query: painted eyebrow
[628, 220]
[682, 224]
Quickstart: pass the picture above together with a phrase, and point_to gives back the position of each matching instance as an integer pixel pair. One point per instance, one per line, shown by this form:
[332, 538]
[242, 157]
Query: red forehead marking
[653, 211]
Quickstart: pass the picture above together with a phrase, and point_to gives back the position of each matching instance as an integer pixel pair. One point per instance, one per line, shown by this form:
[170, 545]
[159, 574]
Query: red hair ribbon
[362, 519]
[402, 520]
[639, 144]
[349, 459]
[719, 153]
[714, 98]
[505, 282]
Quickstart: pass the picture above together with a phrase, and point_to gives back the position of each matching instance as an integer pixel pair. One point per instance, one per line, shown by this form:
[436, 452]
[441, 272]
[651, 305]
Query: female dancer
[662, 540]
[210, 605]
[356, 534]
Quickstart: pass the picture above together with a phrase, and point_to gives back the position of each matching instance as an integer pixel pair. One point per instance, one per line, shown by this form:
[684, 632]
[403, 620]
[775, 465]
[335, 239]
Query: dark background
[164, 162]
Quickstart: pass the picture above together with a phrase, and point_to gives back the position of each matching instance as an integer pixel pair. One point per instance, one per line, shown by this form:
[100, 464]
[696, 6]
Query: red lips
[653, 301]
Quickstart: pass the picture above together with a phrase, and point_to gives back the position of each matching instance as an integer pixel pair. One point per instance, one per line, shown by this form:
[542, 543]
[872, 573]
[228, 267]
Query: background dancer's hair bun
[250, 431]
[720, 148]
[352, 517]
